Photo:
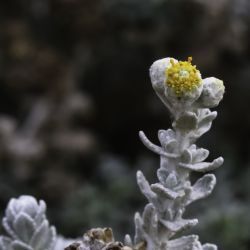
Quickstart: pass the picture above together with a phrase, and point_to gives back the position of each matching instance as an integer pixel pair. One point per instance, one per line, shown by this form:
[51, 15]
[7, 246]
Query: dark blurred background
[75, 91]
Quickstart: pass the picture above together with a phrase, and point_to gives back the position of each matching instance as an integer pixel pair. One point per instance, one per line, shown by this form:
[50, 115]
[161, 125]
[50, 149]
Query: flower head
[182, 77]
[177, 83]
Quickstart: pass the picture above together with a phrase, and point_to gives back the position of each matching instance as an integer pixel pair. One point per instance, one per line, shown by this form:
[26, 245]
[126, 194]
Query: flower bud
[212, 93]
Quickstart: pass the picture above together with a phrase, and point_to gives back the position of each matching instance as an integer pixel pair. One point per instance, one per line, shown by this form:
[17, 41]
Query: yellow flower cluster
[182, 76]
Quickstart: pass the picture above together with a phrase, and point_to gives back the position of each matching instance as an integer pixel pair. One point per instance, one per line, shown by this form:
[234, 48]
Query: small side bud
[212, 93]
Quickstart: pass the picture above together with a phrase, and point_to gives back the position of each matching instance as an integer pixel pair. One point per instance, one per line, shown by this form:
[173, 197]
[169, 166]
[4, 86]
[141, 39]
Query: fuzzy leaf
[203, 166]
[168, 180]
[186, 242]
[138, 228]
[40, 216]
[150, 225]
[209, 247]
[18, 245]
[24, 227]
[5, 243]
[8, 229]
[163, 192]
[10, 213]
[202, 188]
[202, 130]
[171, 180]
[171, 146]
[186, 156]
[51, 240]
[200, 155]
[156, 149]
[166, 135]
[209, 117]
[205, 123]
[145, 187]
[179, 225]
[187, 121]
[128, 241]
[26, 204]
[167, 140]
[162, 175]
[42, 237]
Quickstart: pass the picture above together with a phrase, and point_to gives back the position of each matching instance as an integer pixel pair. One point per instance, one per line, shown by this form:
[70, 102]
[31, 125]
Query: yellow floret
[182, 76]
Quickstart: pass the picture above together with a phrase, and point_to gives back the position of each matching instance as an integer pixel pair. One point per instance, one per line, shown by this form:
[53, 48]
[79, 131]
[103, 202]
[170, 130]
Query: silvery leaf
[61, 242]
[51, 239]
[179, 225]
[199, 155]
[186, 121]
[43, 236]
[186, 242]
[10, 213]
[40, 215]
[163, 192]
[128, 241]
[145, 187]
[202, 130]
[150, 220]
[8, 229]
[138, 228]
[168, 134]
[207, 118]
[24, 226]
[186, 156]
[26, 204]
[167, 179]
[171, 146]
[19, 245]
[205, 124]
[5, 243]
[167, 139]
[209, 247]
[162, 175]
[202, 188]
[203, 166]
[171, 180]
[156, 149]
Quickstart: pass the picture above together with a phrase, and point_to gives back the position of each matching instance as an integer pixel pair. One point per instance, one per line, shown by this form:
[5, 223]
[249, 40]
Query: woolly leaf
[200, 155]
[150, 220]
[209, 247]
[203, 166]
[5, 243]
[163, 192]
[42, 236]
[185, 242]
[18, 245]
[40, 216]
[138, 228]
[8, 229]
[179, 225]
[186, 156]
[24, 227]
[145, 187]
[171, 180]
[202, 188]
[187, 121]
